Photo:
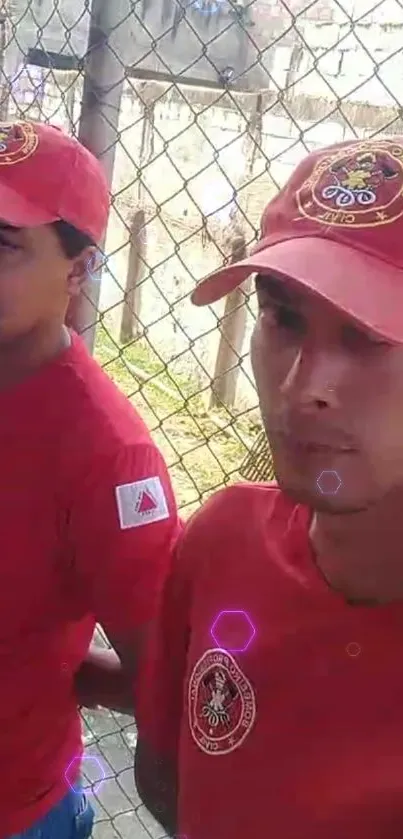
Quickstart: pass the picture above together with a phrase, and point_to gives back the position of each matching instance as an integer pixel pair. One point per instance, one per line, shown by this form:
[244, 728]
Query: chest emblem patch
[221, 703]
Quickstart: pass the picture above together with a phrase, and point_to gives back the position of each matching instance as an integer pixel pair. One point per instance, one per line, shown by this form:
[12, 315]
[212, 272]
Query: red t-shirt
[87, 526]
[298, 732]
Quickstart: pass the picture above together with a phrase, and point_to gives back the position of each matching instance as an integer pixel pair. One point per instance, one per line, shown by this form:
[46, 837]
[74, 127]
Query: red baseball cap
[336, 228]
[47, 176]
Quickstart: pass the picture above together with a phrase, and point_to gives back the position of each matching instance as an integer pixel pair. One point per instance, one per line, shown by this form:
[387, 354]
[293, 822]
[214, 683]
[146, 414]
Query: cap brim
[16, 211]
[364, 287]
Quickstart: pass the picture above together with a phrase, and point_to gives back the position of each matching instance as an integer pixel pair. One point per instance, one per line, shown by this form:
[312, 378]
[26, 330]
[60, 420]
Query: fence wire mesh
[219, 100]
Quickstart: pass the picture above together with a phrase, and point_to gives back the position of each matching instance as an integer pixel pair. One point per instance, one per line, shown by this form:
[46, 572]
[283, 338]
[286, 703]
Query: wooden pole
[232, 331]
[233, 324]
[70, 101]
[130, 325]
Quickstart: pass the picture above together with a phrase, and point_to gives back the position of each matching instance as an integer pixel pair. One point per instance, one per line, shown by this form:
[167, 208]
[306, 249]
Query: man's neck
[22, 358]
[360, 554]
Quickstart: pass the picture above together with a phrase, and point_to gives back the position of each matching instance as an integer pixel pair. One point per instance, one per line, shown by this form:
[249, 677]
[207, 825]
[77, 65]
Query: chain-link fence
[199, 109]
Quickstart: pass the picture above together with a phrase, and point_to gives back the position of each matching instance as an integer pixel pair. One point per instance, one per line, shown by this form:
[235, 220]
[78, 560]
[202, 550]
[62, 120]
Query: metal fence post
[104, 76]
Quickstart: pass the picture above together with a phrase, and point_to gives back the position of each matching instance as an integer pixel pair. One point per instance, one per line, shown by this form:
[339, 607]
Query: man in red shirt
[274, 689]
[87, 518]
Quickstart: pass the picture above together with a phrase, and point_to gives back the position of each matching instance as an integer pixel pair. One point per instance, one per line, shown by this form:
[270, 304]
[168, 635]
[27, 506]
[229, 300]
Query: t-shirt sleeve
[161, 688]
[159, 699]
[123, 528]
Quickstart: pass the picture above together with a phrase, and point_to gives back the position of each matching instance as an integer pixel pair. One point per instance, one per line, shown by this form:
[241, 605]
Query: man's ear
[82, 268]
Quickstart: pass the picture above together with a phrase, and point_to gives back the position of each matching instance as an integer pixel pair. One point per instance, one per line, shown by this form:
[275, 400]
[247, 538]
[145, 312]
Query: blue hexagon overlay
[250, 630]
[332, 478]
[95, 787]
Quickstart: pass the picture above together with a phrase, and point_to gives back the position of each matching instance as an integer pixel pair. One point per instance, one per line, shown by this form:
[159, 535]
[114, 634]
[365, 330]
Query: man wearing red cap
[274, 691]
[87, 518]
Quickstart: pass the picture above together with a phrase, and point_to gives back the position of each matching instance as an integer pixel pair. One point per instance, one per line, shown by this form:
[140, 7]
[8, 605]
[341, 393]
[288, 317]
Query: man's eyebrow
[8, 228]
[277, 289]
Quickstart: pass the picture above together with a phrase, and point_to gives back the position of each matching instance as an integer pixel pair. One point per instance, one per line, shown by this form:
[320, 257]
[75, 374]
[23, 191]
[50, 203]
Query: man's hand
[103, 680]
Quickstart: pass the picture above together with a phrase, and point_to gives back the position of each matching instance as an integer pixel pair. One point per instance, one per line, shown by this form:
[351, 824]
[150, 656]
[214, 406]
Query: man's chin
[325, 482]
[336, 503]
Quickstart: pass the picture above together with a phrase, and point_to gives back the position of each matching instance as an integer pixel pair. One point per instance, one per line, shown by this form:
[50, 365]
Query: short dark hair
[72, 241]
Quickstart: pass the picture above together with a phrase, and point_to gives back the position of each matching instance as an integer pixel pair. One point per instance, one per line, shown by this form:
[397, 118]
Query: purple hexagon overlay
[330, 477]
[95, 787]
[249, 630]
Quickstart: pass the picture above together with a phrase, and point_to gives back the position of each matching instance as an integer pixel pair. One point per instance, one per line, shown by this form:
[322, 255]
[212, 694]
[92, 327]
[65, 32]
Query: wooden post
[232, 331]
[147, 95]
[233, 324]
[130, 324]
[70, 101]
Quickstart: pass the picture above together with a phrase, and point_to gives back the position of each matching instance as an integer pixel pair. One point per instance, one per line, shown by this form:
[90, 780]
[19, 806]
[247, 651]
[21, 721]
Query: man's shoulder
[239, 509]
[244, 520]
[245, 496]
[95, 410]
[98, 429]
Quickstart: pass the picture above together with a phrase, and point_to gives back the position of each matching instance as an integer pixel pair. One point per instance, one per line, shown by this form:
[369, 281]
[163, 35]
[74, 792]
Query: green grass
[203, 448]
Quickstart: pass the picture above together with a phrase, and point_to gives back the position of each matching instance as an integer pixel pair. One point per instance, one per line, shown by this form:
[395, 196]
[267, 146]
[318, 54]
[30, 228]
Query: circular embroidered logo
[221, 703]
[357, 186]
[18, 140]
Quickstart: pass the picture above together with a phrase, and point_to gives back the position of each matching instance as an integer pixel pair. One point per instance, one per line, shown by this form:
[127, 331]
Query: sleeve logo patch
[141, 503]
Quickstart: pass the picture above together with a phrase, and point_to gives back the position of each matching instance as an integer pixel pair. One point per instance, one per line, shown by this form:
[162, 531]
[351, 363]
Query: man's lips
[320, 447]
[316, 445]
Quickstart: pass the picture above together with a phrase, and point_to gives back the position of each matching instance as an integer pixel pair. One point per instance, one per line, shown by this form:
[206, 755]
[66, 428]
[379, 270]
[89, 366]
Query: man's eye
[7, 245]
[289, 318]
[284, 317]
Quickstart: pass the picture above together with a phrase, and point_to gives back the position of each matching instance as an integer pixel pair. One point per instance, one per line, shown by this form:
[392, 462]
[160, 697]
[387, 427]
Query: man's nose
[315, 378]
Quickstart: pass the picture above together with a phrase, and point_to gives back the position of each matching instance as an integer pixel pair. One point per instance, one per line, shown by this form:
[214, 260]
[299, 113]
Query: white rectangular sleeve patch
[141, 503]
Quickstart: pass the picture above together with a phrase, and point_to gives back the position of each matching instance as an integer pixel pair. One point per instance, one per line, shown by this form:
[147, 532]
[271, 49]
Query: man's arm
[160, 695]
[122, 531]
[104, 679]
